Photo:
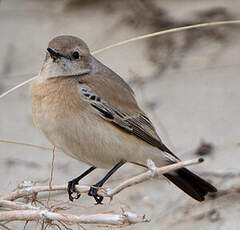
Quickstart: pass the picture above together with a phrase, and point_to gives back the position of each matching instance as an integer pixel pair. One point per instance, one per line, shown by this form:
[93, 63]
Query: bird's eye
[75, 55]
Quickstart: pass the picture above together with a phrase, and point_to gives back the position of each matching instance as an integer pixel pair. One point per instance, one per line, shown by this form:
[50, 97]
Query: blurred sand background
[187, 82]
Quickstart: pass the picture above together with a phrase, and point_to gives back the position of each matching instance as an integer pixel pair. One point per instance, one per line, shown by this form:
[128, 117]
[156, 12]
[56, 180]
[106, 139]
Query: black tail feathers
[190, 183]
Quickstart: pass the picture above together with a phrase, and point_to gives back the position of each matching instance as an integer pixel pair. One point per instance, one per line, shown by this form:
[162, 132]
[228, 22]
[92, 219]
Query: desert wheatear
[90, 113]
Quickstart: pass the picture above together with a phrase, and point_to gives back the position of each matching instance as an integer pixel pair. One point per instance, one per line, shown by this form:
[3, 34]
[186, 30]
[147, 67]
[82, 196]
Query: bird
[90, 113]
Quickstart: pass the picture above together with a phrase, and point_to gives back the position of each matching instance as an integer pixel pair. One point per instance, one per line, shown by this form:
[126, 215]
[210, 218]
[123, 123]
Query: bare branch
[126, 218]
[16, 205]
[152, 173]
[31, 190]
[26, 212]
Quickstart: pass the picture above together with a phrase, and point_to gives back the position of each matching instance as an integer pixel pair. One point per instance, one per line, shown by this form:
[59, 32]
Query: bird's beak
[54, 54]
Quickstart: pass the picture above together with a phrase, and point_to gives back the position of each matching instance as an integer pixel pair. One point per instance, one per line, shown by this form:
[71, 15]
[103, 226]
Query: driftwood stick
[126, 218]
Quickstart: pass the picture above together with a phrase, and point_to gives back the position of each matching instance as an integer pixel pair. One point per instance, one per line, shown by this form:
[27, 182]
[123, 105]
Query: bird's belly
[95, 141]
[82, 139]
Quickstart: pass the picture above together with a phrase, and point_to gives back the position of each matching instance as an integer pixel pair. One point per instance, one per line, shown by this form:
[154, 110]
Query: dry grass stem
[173, 30]
[51, 174]
[17, 86]
[24, 144]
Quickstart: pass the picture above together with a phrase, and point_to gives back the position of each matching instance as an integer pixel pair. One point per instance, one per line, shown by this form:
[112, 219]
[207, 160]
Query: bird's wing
[135, 123]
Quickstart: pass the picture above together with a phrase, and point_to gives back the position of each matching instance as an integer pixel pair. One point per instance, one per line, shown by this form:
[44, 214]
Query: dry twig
[18, 211]
[109, 219]
[151, 173]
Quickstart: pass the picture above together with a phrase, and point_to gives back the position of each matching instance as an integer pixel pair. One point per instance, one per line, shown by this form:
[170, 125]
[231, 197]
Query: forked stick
[18, 211]
[151, 173]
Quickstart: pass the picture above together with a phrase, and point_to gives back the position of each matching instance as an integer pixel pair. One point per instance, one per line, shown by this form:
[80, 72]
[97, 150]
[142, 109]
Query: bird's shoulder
[111, 88]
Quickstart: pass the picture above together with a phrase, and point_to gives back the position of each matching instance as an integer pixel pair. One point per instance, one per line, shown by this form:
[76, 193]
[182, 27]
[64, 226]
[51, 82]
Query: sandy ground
[199, 100]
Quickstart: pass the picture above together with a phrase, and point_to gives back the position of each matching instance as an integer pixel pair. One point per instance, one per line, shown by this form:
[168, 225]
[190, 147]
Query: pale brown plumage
[89, 112]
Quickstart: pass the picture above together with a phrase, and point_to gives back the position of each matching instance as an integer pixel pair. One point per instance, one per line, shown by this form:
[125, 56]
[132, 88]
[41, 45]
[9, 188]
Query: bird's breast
[73, 126]
[76, 128]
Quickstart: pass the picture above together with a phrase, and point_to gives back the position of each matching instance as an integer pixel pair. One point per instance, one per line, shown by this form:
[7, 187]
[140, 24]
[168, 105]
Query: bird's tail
[190, 183]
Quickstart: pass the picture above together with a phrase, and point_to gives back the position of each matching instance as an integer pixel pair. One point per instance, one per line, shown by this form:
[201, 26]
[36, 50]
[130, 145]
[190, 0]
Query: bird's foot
[93, 192]
[71, 189]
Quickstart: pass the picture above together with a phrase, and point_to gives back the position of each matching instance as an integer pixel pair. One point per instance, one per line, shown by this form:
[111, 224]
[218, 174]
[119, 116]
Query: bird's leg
[72, 183]
[94, 188]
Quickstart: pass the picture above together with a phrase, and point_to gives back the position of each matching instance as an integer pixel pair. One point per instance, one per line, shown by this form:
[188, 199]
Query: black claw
[71, 189]
[93, 192]
[94, 189]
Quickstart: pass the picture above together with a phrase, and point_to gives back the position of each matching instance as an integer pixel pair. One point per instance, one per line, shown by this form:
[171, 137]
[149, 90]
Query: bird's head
[66, 56]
